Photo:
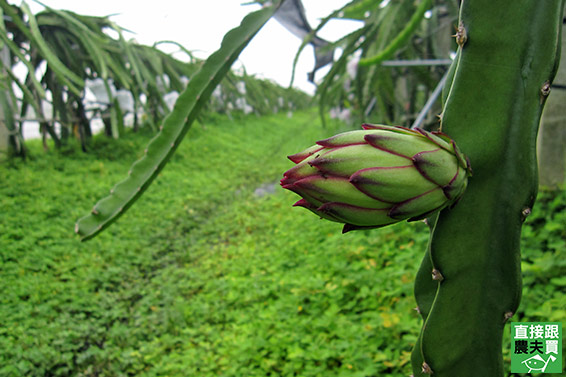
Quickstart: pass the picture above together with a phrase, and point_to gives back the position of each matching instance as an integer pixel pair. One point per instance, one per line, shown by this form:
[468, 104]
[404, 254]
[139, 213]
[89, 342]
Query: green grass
[203, 278]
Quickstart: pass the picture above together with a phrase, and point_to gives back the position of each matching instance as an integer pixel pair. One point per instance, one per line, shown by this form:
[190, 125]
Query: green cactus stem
[500, 79]
[174, 128]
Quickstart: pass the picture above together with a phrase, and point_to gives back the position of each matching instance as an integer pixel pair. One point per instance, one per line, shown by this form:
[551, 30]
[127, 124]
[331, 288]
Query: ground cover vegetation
[214, 274]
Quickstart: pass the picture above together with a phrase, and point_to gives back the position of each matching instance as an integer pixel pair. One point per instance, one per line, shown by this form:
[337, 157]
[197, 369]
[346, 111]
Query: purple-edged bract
[378, 176]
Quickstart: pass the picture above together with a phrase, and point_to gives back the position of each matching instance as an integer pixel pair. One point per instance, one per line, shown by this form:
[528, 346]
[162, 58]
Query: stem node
[525, 213]
[461, 35]
[436, 275]
[545, 91]
[426, 369]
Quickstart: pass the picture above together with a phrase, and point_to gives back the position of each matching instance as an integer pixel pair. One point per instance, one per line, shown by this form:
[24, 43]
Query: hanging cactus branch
[174, 128]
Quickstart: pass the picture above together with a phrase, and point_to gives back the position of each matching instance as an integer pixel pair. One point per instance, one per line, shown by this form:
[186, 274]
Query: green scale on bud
[378, 176]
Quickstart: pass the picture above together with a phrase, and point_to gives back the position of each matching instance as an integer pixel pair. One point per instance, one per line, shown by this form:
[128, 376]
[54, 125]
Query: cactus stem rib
[476, 245]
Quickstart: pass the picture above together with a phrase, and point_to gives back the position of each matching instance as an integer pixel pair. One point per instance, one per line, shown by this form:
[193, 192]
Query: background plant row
[64, 54]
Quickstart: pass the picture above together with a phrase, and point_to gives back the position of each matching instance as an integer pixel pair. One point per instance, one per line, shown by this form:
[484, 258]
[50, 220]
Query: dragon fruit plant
[469, 283]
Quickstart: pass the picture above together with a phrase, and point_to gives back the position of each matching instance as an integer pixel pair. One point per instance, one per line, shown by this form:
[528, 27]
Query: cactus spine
[469, 283]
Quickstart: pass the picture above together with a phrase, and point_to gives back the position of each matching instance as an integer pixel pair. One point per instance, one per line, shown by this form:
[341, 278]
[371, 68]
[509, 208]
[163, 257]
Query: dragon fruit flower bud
[378, 176]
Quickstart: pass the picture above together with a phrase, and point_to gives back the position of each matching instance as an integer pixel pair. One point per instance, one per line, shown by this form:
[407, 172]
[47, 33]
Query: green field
[213, 273]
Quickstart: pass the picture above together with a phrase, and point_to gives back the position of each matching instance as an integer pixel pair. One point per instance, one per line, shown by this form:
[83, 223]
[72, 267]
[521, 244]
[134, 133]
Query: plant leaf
[70, 78]
[401, 38]
[174, 128]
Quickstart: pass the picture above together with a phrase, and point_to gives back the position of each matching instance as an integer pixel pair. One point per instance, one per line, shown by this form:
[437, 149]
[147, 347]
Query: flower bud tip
[303, 203]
